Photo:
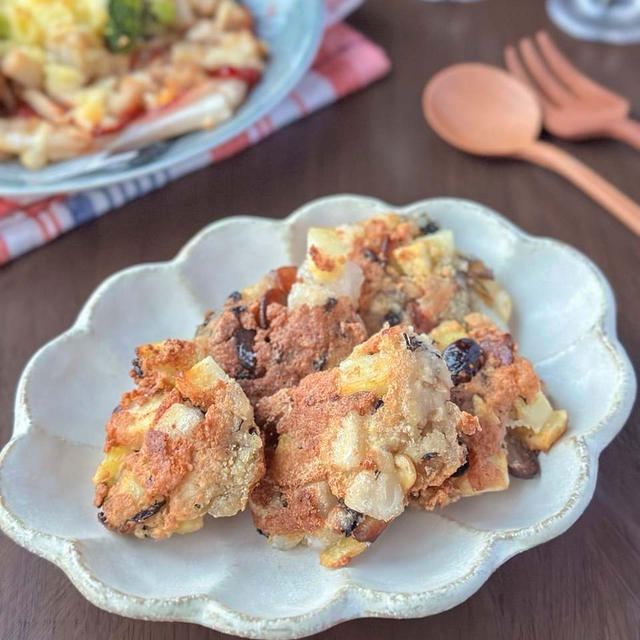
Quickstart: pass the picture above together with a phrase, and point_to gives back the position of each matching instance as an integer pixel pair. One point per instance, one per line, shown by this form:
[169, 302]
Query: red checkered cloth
[346, 62]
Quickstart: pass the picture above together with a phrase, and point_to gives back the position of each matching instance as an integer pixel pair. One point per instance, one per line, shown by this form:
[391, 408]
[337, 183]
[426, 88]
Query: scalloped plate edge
[351, 601]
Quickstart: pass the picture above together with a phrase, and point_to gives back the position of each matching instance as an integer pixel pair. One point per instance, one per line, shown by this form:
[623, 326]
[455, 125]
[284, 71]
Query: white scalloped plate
[225, 576]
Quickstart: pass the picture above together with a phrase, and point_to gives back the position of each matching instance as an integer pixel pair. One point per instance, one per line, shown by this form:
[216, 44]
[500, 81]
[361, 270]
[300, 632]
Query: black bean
[370, 255]
[329, 304]
[429, 228]
[148, 512]
[349, 519]
[319, 363]
[244, 347]
[464, 358]
[461, 470]
[137, 369]
[271, 436]
[263, 321]
[393, 318]
[412, 343]
[384, 247]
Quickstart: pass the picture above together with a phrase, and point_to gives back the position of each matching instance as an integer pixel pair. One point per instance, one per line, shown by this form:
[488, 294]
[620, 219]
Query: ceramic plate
[291, 28]
[226, 576]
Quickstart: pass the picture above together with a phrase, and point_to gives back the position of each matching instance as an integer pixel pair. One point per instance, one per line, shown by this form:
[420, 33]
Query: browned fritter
[181, 445]
[390, 296]
[412, 272]
[503, 379]
[267, 346]
[352, 442]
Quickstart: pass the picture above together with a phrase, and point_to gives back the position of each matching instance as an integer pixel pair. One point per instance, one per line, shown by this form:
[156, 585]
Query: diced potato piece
[24, 68]
[286, 542]
[405, 470]
[91, 107]
[500, 300]
[132, 432]
[413, 259]
[179, 420]
[328, 252]
[544, 439]
[109, 468]
[365, 373]
[60, 79]
[128, 484]
[533, 415]
[441, 245]
[340, 553]
[421, 256]
[189, 526]
[348, 446]
[200, 381]
[378, 495]
[447, 332]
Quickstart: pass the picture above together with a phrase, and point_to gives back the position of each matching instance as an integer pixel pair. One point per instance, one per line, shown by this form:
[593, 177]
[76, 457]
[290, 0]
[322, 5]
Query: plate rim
[350, 601]
[96, 180]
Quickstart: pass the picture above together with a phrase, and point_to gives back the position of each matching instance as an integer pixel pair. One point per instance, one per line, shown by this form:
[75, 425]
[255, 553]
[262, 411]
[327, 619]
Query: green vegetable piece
[163, 11]
[126, 24]
[133, 20]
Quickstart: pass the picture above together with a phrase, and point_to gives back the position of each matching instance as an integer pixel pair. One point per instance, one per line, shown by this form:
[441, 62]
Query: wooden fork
[573, 105]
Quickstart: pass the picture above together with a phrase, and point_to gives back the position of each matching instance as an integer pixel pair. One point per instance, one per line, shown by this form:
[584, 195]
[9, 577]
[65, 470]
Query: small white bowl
[226, 576]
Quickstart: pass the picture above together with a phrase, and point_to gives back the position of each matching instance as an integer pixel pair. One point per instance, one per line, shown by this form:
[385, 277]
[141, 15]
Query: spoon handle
[593, 184]
[626, 130]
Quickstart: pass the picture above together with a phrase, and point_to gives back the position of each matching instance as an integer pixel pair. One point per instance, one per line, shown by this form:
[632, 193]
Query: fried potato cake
[499, 386]
[354, 441]
[269, 336]
[183, 444]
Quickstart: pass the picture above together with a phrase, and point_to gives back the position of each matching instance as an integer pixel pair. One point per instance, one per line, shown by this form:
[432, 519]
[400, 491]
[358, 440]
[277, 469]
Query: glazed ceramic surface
[292, 30]
[226, 576]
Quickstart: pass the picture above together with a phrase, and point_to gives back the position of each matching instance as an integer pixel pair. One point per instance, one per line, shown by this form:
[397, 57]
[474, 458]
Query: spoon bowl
[485, 111]
[482, 109]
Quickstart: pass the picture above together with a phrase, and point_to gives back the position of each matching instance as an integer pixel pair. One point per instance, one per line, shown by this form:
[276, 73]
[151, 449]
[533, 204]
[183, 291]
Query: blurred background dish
[292, 32]
[614, 21]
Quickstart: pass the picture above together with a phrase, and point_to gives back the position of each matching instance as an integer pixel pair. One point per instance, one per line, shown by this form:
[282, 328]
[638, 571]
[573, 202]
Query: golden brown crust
[491, 395]
[289, 345]
[156, 365]
[177, 452]
[353, 441]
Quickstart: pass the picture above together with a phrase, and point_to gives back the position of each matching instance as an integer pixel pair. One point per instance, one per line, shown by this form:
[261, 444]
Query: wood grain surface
[584, 584]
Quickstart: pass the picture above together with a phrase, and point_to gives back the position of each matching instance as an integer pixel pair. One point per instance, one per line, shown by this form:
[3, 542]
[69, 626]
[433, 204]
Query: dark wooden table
[585, 584]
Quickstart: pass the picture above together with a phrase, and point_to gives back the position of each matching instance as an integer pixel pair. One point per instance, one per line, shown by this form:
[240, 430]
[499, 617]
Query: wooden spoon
[486, 111]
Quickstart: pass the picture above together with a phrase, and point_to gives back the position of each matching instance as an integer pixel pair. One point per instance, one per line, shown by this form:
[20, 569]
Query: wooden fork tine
[577, 81]
[516, 68]
[541, 74]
